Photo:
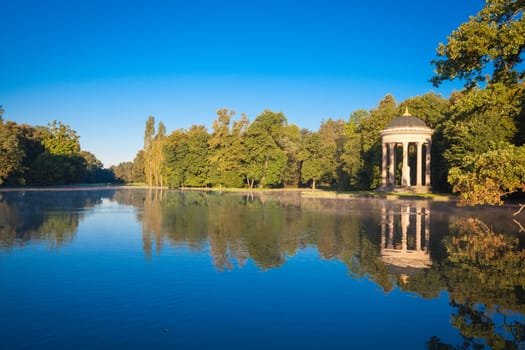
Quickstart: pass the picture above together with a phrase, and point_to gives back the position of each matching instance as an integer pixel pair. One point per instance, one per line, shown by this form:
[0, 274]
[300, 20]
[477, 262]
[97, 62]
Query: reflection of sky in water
[101, 291]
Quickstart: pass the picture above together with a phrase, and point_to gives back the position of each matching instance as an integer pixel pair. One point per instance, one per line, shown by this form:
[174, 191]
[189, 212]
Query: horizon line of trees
[270, 152]
[478, 139]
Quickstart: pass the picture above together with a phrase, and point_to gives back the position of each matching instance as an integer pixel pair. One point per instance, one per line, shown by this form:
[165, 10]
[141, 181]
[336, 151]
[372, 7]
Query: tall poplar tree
[149, 134]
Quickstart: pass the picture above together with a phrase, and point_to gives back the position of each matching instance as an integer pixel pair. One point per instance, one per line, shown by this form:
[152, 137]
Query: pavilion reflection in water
[405, 235]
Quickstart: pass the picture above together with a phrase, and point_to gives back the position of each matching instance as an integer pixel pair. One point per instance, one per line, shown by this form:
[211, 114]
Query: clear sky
[104, 66]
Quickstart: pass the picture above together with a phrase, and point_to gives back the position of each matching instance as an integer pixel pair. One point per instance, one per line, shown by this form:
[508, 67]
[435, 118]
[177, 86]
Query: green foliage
[291, 144]
[227, 150]
[368, 128]
[60, 139]
[315, 159]
[149, 134]
[351, 159]
[139, 174]
[124, 172]
[489, 46]
[46, 156]
[10, 153]
[333, 137]
[265, 158]
[480, 118]
[487, 49]
[487, 177]
[186, 154]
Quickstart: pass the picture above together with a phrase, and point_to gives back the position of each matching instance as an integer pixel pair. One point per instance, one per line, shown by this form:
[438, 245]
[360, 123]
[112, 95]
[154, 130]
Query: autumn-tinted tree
[10, 153]
[490, 176]
[157, 156]
[149, 134]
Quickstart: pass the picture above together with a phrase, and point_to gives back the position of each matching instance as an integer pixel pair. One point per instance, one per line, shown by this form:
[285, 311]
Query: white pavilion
[408, 132]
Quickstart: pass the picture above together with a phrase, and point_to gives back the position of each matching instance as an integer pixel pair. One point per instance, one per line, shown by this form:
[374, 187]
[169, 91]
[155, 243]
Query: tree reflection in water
[48, 216]
[485, 276]
[391, 243]
[414, 246]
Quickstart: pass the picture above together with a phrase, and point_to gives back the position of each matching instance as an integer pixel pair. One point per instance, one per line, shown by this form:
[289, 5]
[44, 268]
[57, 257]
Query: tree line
[477, 150]
[51, 155]
[270, 152]
[478, 138]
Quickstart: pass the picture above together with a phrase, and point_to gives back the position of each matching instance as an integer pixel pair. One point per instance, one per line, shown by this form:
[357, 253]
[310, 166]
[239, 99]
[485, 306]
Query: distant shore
[305, 192]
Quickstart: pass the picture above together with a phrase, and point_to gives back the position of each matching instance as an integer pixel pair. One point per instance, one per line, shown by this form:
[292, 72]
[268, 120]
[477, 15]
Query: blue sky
[103, 67]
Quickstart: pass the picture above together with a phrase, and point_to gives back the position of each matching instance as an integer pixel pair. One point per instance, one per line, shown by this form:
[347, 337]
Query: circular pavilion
[415, 140]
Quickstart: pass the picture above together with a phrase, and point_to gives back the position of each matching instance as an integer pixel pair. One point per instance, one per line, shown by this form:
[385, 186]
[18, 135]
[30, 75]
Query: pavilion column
[405, 217]
[383, 227]
[419, 218]
[427, 228]
[390, 244]
[419, 172]
[427, 164]
[384, 164]
[405, 173]
[392, 167]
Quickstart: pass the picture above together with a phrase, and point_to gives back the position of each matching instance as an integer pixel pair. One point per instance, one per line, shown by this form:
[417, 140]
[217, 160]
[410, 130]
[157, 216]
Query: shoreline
[305, 192]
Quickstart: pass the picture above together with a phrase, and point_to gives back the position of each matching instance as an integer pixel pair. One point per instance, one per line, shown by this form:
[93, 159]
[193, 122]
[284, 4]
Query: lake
[137, 269]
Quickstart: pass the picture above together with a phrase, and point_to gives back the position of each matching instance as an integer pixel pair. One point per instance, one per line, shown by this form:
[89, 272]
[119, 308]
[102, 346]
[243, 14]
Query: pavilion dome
[406, 121]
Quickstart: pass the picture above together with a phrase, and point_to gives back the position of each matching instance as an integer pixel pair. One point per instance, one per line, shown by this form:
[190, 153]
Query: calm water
[141, 269]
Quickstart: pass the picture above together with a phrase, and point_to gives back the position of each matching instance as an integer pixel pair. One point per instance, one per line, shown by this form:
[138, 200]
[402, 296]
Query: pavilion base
[404, 189]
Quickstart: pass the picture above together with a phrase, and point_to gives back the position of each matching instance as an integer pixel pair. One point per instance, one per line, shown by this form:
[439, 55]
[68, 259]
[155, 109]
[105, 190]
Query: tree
[60, 139]
[290, 143]
[124, 172]
[154, 171]
[197, 165]
[369, 128]
[316, 159]
[10, 153]
[139, 167]
[94, 171]
[61, 162]
[157, 156]
[351, 160]
[265, 159]
[489, 176]
[486, 53]
[488, 47]
[149, 134]
[227, 149]
[333, 138]
[175, 157]
[186, 157]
